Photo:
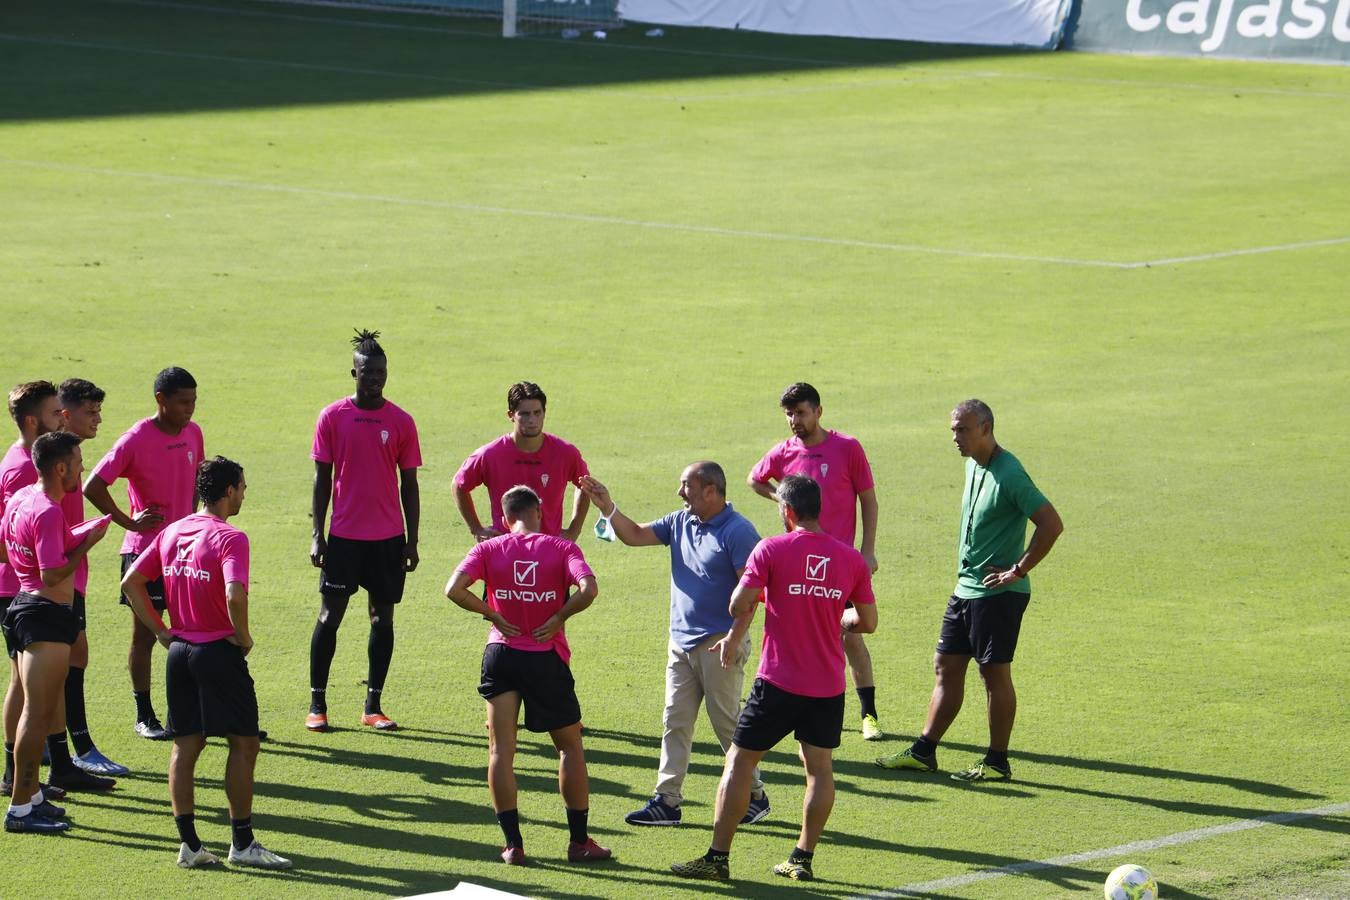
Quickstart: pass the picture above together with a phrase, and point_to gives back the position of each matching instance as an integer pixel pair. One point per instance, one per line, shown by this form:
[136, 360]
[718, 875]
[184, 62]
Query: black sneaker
[34, 824]
[51, 792]
[80, 780]
[151, 730]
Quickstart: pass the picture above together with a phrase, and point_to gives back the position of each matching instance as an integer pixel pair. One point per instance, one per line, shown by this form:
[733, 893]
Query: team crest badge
[824, 469]
[544, 479]
[384, 437]
[192, 458]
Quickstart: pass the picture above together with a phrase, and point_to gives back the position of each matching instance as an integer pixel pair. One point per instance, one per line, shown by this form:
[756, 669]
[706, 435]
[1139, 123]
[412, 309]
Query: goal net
[518, 18]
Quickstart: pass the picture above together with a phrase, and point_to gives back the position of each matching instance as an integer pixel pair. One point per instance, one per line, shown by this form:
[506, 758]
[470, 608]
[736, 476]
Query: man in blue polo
[709, 544]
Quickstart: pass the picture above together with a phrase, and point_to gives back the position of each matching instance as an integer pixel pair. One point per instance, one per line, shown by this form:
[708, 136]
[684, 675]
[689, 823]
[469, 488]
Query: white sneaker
[255, 854]
[191, 859]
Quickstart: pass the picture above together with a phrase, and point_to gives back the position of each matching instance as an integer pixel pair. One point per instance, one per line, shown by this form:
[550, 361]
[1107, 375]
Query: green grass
[1183, 663]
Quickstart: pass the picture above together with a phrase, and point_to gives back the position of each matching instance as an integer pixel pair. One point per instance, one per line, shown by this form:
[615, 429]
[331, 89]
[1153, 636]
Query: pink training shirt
[160, 469]
[527, 578]
[197, 556]
[838, 464]
[36, 536]
[16, 472]
[807, 578]
[72, 506]
[367, 449]
[501, 466]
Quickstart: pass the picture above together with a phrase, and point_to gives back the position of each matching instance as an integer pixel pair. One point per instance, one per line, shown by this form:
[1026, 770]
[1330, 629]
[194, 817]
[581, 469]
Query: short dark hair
[801, 392]
[174, 379]
[709, 472]
[366, 343]
[519, 500]
[27, 398]
[521, 391]
[215, 476]
[75, 392]
[802, 495]
[52, 448]
[981, 410]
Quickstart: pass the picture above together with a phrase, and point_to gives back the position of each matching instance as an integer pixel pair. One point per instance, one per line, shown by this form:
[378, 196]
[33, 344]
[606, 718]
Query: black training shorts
[210, 690]
[31, 619]
[377, 566]
[77, 607]
[541, 678]
[154, 588]
[986, 628]
[772, 713]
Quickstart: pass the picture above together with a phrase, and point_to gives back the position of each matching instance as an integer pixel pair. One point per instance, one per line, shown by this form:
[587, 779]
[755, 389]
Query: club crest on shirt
[544, 479]
[192, 458]
[384, 437]
[824, 469]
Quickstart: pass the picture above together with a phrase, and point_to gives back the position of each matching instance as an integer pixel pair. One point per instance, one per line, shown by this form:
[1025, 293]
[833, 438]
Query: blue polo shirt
[704, 557]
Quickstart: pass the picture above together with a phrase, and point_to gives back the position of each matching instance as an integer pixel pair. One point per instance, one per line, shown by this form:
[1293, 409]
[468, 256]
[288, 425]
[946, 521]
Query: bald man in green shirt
[984, 614]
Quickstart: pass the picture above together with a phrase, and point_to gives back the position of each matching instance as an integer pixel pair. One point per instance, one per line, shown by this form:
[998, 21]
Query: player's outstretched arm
[411, 497]
[133, 585]
[323, 493]
[628, 531]
[458, 591]
[96, 490]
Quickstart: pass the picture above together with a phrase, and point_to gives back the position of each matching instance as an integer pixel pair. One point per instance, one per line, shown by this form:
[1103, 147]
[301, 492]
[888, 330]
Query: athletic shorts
[377, 566]
[31, 619]
[986, 628]
[541, 678]
[771, 714]
[209, 689]
[155, 588]
[77, 607]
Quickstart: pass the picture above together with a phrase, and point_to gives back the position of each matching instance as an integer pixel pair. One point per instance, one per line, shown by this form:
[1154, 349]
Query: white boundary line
[1171, 840]
[711, 230]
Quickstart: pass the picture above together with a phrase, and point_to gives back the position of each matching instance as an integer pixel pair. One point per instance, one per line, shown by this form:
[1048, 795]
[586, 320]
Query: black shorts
[77, 607]
[30, 619]
[771, 713]
[154, 588]
[377, 566]
[986, 628]
[209, 689]
[541, 678]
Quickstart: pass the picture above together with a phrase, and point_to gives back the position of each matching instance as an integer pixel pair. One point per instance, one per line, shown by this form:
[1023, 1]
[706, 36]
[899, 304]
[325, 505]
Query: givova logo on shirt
[185, 553]
[525, 571]
[817, 570]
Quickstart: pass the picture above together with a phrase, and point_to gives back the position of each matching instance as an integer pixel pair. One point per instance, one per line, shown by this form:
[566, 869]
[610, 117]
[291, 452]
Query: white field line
[567, 216]
[712, 230]
[1170, 840]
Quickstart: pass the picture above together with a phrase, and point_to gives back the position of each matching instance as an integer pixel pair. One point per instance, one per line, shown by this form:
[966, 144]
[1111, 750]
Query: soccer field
[1140, 264]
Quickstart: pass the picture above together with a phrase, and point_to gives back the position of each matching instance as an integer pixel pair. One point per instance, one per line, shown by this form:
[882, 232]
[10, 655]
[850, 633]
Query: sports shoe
[907, 759]
[379, 721]
[796, 869]
[758, 809]
[258, 856]
[656, 812]
[317, 721]
[74, 779]
[513, 856]
[871, 729]
[587, 852]
[984, 771]
[95, 763]
[151, 730]
[34, 824]
[702, 868]
[49, 810]
[192, 859]
[51, 792]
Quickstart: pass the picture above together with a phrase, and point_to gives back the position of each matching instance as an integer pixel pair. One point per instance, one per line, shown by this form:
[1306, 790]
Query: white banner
[1024, 23]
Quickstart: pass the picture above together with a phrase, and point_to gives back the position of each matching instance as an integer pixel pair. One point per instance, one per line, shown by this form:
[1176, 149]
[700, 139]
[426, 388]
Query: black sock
[717, 856]
[576, 824]
[9, 761]
[510, 822]
[242, 831]
[144, 710]
[318, 700]
[924, 747]
[322, 646]
[380, 648]
[76, 719]
[867, 699]
[800, 855]
[59, 752]
[187, 831]
[999, 759]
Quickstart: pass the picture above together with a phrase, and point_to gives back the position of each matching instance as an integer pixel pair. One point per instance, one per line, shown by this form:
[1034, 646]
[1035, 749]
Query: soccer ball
[1129, 882]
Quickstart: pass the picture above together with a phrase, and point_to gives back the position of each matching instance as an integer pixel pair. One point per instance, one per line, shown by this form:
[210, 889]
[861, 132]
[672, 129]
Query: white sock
[19, 810]
[37, 798]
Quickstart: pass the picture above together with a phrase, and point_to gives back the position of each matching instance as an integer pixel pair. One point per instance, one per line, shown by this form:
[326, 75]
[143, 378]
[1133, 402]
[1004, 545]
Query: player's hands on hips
[234, 639]
[597, 492]
[146, 519]
[505, 627]
[485, 533]
[997, 577]
[317, 551]
[165, 638]
[410, 558]
[551, 627]
[870, 558]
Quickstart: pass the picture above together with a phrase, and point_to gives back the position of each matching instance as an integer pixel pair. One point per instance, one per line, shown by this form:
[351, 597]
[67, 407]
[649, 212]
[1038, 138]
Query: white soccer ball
[1130, 882]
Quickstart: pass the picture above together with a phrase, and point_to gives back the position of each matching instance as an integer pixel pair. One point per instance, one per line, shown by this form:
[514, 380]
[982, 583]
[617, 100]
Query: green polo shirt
[995, 506]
